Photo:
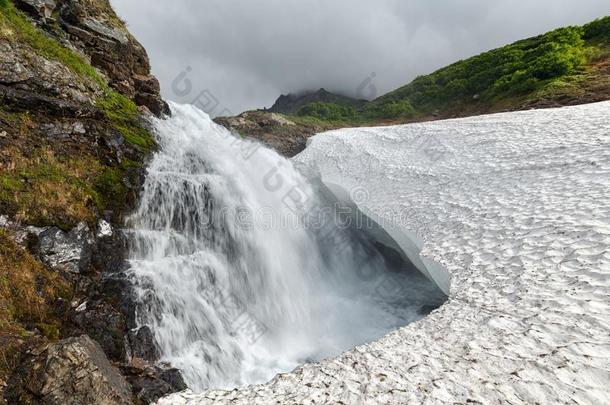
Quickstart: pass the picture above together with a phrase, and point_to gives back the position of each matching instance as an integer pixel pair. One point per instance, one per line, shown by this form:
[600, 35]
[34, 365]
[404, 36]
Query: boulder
[274, 130]
[174, 378]
[102, 29]
[75, 371]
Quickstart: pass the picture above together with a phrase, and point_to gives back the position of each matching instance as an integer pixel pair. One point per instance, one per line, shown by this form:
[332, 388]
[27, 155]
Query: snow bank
[516, 207]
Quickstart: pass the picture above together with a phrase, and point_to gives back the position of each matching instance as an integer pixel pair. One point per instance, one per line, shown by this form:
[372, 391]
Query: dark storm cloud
[244, 54]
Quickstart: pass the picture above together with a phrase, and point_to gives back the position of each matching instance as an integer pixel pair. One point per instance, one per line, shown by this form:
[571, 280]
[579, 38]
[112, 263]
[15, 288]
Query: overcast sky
[242, 55]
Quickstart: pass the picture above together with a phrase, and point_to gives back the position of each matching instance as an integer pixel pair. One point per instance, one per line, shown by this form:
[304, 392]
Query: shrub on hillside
[514, 69]
[327, 111]
[598, 29]
[390, 110]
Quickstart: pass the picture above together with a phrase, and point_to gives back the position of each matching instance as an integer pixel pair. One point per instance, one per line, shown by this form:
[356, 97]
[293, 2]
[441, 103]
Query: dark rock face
[74, 371]
[292, 103]
[104, 324]
[110, 248]
[117, 290]
[142, 343]
[113, 49]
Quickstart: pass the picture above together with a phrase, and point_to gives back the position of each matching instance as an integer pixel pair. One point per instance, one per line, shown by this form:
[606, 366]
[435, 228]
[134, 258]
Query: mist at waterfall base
[234, 283]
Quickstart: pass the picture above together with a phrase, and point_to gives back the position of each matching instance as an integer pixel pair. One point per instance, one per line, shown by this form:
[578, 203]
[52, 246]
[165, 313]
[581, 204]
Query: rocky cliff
[75, 90]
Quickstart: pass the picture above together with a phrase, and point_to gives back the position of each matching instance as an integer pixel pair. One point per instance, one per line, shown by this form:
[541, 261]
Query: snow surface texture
[516, 206]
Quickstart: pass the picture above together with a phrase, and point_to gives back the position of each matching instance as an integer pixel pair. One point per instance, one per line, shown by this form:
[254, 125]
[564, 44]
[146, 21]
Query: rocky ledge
[286, 134]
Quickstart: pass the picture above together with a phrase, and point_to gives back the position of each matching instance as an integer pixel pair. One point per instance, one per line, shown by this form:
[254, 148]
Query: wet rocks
[79, 250]
[117, 290]
[149, 383]
[75, 251]
[54, 129]
[110, 248]
[142, 344]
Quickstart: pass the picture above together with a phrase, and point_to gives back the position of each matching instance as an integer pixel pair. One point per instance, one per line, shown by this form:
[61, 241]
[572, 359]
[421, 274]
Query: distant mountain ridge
[291, 103]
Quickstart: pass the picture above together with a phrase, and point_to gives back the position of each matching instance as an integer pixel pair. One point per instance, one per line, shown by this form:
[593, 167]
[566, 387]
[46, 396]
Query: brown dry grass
[42, 189]
[28, 291]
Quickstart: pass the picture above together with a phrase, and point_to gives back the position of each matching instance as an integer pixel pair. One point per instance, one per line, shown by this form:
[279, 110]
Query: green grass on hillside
[327, 111]
[531, 66]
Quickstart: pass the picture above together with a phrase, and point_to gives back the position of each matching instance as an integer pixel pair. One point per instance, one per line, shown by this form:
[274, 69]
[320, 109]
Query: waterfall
[234, 283]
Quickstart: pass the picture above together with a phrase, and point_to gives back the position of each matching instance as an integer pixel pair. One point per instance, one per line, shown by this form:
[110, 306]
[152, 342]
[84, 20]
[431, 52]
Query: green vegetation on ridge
[327, 111]
[506, 75]
[123, 115]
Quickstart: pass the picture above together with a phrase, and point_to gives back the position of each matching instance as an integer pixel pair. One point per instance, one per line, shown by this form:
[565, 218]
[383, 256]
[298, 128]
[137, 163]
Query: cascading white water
[235, 286]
